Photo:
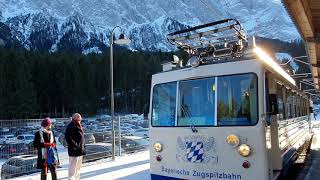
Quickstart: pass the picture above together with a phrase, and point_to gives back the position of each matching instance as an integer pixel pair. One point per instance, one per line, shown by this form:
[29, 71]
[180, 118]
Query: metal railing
[17, 151]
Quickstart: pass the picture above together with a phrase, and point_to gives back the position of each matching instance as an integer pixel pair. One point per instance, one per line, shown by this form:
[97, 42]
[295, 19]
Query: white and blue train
[231, 112]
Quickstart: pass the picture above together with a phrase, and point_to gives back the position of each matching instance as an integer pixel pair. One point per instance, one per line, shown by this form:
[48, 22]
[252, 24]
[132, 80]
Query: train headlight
[157, 147]
[233, 140]
[244, 150]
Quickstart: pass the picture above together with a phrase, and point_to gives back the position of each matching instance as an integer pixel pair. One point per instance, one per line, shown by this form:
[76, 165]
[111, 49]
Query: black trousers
[53, 170]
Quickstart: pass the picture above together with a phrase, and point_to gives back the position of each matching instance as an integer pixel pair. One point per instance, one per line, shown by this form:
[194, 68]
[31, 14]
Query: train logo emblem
[194, 152]
[196, 149]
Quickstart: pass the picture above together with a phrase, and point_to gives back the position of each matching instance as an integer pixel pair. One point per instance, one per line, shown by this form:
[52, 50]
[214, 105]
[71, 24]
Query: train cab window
[215, 101]
[237, 100]
[196, 104]
[164, 104]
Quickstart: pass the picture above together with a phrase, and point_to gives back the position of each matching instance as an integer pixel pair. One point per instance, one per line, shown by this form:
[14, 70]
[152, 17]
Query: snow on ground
[131, 166]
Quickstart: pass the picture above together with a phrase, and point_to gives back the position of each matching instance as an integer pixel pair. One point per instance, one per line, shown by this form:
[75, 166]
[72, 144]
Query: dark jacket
[75, 139]
[37, 144]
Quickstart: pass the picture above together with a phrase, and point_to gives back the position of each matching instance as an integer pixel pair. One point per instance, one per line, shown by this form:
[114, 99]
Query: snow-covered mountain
[85, 25]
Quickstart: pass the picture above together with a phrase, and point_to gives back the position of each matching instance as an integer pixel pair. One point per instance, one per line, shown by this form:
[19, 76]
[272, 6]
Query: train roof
[218, 42]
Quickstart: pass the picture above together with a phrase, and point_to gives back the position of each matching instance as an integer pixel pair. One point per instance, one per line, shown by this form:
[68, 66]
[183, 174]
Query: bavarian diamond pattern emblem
[194, 152]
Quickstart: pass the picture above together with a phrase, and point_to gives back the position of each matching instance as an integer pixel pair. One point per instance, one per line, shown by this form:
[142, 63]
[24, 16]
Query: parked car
[89, 139]
[16, 149]
[143, 123]
[13, 130]
[126, 125]
[25, 138]
[137, 127]
[133, 143]
[19, 165]
[59, 127]
[92, 127]
[108, 139]
[141, 133]
[104, 129]
[88, 122]
[62, 140]
[4, 130]
[101, 136]
[21, 131]
[127, 131]
[8, 138]
[97, 151]
[104, 118]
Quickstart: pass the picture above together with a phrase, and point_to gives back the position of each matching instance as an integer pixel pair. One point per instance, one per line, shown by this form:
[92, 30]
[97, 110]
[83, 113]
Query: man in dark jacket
[76, 146]
[44, 139]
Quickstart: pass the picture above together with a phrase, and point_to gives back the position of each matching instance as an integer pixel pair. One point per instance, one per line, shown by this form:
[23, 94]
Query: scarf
[44, 150]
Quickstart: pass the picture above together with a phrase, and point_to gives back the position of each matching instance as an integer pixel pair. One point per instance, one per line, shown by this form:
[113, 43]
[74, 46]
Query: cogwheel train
[230, 112]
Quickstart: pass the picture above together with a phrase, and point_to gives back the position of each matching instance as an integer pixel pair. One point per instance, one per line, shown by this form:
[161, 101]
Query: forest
[37, 84]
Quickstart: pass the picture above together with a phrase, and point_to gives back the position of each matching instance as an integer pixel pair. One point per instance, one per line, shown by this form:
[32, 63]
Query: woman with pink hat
[43, 140]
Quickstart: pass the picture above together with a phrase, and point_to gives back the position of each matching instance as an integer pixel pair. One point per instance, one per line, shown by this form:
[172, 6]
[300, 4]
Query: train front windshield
[215, 101]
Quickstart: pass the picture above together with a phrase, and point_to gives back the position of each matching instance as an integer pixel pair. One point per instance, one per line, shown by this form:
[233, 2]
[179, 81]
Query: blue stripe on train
[159, 177]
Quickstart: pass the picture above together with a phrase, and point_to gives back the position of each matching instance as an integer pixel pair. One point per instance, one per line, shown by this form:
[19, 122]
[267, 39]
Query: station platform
[311, 169]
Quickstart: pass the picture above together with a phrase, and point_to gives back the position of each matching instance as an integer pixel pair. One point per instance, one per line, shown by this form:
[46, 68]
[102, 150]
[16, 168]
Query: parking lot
[18, 157]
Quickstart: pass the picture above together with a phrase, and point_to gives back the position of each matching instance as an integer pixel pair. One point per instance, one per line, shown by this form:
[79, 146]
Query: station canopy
[306, 16]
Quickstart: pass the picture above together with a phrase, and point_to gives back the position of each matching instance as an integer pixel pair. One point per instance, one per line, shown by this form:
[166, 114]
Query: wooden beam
[300, 13]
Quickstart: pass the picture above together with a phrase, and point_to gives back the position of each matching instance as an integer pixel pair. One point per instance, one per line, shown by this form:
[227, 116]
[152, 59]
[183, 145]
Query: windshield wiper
[193, 128]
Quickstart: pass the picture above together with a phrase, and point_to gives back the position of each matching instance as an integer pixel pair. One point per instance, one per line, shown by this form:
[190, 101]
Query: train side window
[280, 99]
[298, 106]
[272, 107]
[304, 107]
[294, 109]
[288, 104]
